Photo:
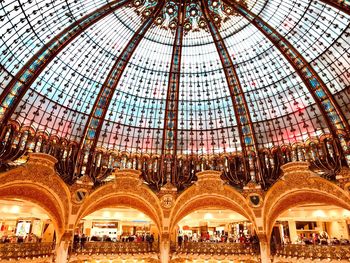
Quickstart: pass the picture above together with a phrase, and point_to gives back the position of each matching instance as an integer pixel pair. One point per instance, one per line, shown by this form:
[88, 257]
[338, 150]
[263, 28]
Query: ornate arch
[35, 194]
[300, 186]
[127, 190]
[38, 183]
[209, 191]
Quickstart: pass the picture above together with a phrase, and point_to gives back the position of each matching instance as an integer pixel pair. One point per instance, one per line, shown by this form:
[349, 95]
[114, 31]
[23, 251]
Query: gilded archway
[127, 190]
[37, 182]
[300, 186]
[210, 192]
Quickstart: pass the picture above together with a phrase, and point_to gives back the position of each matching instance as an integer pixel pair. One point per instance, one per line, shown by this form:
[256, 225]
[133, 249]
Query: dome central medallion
[193, 12]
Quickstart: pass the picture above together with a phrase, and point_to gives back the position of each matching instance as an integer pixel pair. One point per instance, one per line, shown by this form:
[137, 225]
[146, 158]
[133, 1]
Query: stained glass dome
[96, 83]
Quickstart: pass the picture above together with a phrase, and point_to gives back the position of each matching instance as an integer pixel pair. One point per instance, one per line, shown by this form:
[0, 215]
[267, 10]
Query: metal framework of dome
[174, 87]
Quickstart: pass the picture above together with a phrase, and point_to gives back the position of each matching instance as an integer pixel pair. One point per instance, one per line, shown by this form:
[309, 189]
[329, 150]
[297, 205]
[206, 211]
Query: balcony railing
[94, 248]
[25, 250]
[336, 252]
[326, 155]
[218, 248]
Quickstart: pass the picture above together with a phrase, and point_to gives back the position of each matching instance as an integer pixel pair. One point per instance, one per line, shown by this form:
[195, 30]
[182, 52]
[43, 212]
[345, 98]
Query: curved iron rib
[19, 85]
[244, 122]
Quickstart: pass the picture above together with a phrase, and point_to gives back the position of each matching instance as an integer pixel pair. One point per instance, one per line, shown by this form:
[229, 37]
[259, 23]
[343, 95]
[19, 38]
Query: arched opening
[214, 230]
[27, 230]
[38, 195]
[124, 197]
[214, 226]
[115, 229]
[310, 224]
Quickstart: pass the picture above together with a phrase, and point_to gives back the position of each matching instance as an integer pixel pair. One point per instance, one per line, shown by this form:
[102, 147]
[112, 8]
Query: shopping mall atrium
[146, 131]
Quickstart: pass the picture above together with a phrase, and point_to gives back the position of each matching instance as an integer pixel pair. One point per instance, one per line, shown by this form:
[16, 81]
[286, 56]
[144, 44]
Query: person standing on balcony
[82, 241]
[179, 241]
[151, 240]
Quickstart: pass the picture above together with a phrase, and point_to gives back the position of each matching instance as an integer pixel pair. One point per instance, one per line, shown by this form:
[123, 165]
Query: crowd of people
[217, 237]
[29, 238]
[80, 240]
[321, 238]
[318, 239]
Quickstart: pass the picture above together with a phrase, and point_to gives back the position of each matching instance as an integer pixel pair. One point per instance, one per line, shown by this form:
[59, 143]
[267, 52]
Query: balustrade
[95, 248]
[25, 250]
[336, 252]
[219, 248]
[325, 155]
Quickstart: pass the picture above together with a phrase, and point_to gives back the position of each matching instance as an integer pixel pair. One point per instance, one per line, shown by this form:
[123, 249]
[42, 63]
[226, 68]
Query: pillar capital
[67, 236]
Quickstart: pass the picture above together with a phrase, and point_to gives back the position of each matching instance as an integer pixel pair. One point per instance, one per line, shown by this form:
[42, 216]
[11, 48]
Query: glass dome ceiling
[176, 77]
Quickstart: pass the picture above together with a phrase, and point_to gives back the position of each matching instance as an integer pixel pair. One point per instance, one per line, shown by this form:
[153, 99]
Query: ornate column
[265, 252]
[164, 248]
[167, 196]
[62, 247]
[255, 197]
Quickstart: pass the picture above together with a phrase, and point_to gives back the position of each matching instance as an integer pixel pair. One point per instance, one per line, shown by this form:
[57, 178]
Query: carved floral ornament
[167, 201]
[128, 190]
[299, 186]
[208, 191]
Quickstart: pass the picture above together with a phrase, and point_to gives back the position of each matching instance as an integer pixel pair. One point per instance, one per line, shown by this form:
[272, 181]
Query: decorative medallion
[79, 196]
[193, 13]
[167, 201]
[255, 200]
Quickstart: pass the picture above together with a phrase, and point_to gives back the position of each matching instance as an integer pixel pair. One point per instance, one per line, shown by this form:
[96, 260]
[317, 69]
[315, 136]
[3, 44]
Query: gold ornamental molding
[184, 258]
[126, 190]
[127, 173]
[208, 192]
[343, 178]
[37, 182]
[128, 258]
[43, 159]
[208, 175]
[298, 186]
[295, 166]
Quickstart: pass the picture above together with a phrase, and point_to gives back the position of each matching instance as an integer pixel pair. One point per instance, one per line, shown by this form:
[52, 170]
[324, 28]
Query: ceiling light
[208, 216]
